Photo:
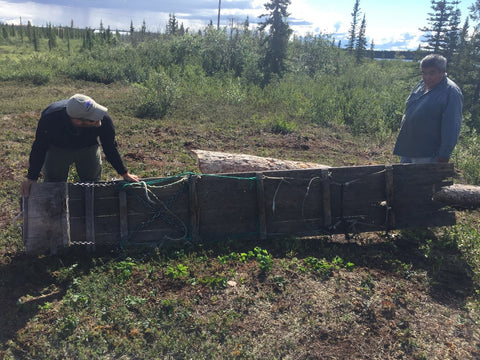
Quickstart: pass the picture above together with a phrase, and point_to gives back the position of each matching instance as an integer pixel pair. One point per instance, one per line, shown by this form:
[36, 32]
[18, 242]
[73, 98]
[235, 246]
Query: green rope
[154, 182]
[163, 212]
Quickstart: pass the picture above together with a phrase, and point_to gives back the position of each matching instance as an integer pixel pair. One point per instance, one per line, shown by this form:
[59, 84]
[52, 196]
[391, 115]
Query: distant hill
[400, 54]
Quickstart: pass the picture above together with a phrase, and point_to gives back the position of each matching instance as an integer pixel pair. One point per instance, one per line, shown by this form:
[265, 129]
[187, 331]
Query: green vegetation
[410, 294]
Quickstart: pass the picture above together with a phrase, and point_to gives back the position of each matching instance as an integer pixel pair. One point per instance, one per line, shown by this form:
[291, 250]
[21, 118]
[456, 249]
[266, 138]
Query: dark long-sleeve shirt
[432, 120]
[56, 129]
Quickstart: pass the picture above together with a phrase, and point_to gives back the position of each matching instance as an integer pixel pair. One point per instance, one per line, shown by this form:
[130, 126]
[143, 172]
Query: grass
[412, 294]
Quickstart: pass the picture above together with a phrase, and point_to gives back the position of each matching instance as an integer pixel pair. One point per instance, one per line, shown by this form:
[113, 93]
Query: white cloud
[307, 16]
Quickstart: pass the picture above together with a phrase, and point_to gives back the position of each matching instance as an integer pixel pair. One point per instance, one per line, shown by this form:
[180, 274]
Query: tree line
[259, 55]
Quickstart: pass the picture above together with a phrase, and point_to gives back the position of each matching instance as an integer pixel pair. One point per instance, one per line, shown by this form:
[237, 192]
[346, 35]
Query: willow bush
[156, 96]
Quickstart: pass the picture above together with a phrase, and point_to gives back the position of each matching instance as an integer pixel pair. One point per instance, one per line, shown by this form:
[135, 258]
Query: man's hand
[130, 177]
[26, 184]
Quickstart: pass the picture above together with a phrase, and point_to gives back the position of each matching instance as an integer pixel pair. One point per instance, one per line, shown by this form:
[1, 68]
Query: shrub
[282, 126]
[156, 96]
[24, 71]
[466, 156]
[97, 70]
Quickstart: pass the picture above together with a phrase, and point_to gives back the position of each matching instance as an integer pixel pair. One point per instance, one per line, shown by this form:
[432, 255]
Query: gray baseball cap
[80, 106]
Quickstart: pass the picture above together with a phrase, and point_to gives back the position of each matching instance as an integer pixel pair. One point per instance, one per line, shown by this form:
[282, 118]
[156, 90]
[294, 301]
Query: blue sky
[391, 24]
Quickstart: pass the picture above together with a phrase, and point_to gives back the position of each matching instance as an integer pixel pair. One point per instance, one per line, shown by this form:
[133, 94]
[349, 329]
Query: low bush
[156, 96]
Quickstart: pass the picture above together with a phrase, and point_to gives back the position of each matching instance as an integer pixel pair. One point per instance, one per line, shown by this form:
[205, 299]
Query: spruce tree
[52, 37]
[474, 47]
[20, 30]
[35, 40]
[352, 34]
[29, 30]
[276, 42]
[442, 33]
[361, 42]
[132, 29]
[453, 34]
[172, 25]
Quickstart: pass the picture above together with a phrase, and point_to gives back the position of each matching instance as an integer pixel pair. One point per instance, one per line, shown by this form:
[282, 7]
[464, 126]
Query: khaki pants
[88, 162]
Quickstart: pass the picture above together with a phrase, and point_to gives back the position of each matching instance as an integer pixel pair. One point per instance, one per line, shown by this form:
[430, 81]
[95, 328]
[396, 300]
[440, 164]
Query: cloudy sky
[392, 24]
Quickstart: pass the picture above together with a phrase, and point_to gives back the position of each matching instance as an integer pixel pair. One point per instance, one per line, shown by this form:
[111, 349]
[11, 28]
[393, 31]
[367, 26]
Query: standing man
[69, 131]
[433, 116]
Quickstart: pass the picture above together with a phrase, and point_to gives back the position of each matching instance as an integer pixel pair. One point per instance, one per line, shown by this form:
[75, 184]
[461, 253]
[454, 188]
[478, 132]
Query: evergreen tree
[108, 34]
[453, 34]
[352, 34]
[276, 42]
[88, 39]
[361, 43]
[474, 60]
[5, 31]
[35, 39]
[68, 40]
[132, 29]
[29, 30]
[52, 37]
[372, 50]
[246, 25]
[74, 33]
[442, 33]
[143, 30]
[172, 25]
[462, 59]
[181, 30]
[20, 30]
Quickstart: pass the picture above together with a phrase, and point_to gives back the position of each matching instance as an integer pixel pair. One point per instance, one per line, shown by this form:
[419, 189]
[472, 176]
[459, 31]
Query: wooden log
[458, 195]
[214, 162]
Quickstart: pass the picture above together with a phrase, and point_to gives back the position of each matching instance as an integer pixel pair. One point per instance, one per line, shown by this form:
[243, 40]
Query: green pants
[88, 162]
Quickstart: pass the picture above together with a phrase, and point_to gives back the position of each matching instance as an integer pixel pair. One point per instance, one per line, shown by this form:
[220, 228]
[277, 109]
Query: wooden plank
[325, 200]
[47, 226]
[193, 208]
[262, 222]
[123, 209]
[90, 217]
[389, 196]
[414, 187]
[287, 198]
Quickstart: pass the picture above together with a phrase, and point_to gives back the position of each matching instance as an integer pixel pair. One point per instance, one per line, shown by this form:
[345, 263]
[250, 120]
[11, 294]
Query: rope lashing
[162, 209]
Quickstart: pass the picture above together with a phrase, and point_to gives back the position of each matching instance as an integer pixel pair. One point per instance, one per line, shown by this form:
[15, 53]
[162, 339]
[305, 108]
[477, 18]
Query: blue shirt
[431, 123]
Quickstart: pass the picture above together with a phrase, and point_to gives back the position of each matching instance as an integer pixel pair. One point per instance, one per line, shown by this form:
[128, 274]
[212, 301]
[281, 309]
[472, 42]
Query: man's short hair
[434, 60]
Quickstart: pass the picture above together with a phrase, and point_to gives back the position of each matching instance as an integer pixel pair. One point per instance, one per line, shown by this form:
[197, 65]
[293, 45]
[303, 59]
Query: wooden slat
[123, 209]
[389, 204]
[262, 222]
[193, 208]
[90, 217]
[325, 200]
[47, 226]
